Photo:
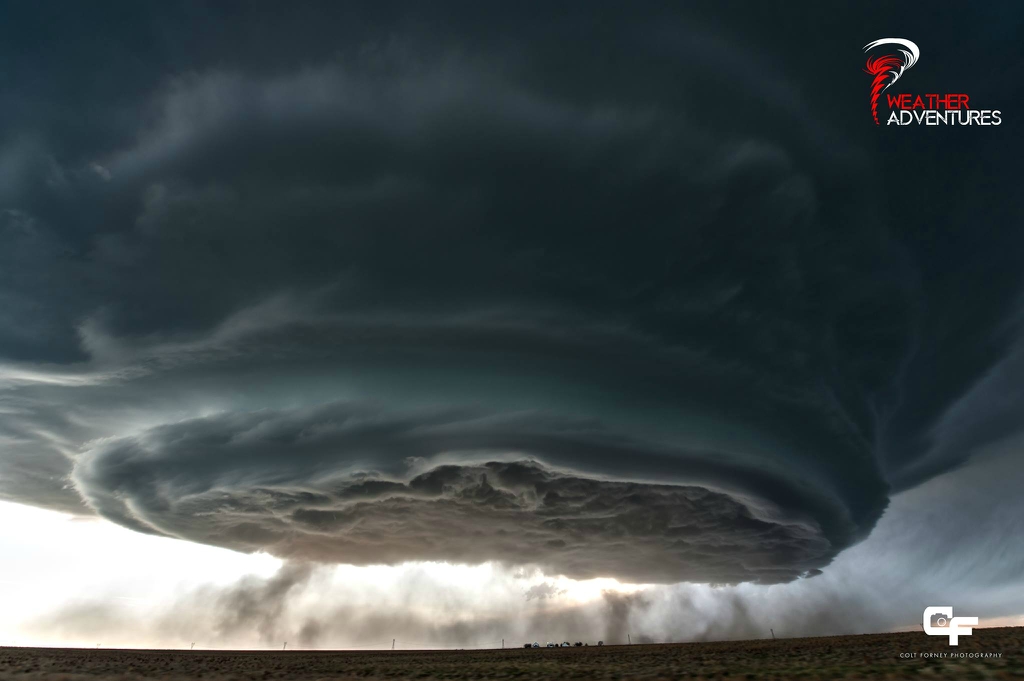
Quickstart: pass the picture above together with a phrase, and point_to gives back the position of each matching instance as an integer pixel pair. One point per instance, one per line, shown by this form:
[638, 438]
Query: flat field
[870, 656]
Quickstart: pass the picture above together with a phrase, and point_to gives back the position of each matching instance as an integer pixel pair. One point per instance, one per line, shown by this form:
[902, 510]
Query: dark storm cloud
[642, 295]
[355, 487]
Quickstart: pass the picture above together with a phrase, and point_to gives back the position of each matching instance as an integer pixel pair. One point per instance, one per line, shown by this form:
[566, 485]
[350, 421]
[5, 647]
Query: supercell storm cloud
[424, 291]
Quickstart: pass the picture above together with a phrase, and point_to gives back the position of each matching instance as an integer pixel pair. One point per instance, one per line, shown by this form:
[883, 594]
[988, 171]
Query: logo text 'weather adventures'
[916, 109]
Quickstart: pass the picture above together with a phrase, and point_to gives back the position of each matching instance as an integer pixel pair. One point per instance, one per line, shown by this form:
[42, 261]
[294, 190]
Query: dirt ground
[871, 656]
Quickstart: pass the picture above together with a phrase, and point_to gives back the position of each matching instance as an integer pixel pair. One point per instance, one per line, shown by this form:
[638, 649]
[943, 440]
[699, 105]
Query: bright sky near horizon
[52, 559]
[54, 562]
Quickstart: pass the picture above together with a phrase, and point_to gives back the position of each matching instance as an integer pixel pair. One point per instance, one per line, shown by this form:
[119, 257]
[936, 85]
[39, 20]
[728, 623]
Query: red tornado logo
[888, 68]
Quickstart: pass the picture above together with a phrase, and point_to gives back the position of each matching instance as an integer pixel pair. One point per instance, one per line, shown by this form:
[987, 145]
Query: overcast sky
[504, 312]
